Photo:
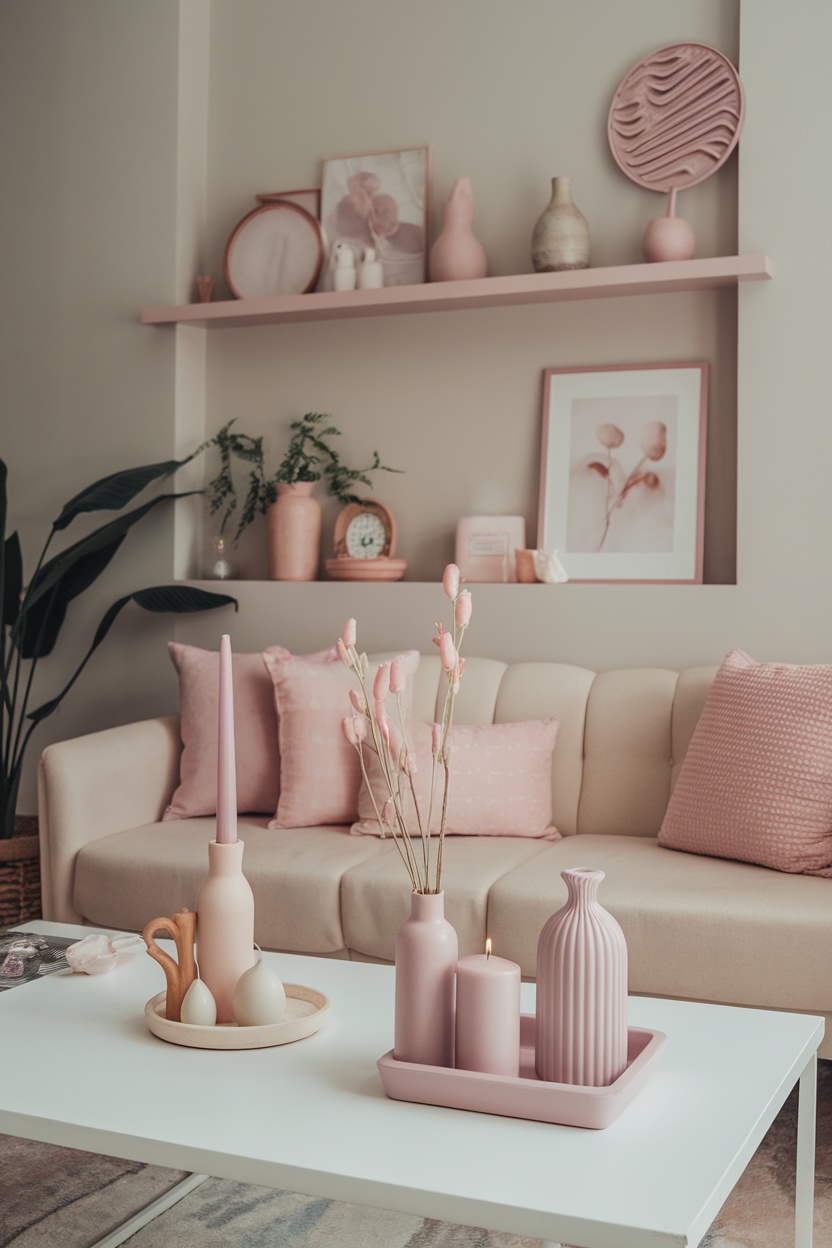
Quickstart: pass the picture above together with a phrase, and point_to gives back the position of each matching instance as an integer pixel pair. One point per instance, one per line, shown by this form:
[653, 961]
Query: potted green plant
[285, 496]
[34, 612]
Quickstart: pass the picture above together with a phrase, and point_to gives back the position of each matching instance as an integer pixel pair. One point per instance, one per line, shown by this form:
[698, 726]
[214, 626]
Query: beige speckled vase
[561, 234]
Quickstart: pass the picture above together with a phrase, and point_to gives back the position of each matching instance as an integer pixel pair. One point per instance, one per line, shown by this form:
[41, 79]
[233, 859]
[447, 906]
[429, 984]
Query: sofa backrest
[622, 736]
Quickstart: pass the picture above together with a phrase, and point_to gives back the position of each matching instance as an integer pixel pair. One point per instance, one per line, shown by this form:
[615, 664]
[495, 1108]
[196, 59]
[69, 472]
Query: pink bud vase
[427, 951]
[581, 1033]
[457, 254]
[294, 523]
[224, 925]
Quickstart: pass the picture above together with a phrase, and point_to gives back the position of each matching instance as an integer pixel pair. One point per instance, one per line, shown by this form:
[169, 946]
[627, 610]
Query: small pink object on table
[488, 1014]
[226, 762]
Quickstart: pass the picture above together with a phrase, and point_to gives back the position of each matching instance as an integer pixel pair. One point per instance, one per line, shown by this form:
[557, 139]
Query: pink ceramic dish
[526, 1096]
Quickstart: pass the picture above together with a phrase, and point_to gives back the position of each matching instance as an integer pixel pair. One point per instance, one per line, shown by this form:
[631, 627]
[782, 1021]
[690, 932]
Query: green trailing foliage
[309, 457]
[34, 614]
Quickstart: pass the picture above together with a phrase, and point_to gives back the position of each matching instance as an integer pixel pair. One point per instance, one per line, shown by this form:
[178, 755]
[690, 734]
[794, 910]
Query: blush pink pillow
[320, 774]
[501, 781]
[255, 730]
[756, 782]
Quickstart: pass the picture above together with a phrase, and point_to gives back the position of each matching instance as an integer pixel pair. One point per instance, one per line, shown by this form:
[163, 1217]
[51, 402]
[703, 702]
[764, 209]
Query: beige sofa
[701, 928]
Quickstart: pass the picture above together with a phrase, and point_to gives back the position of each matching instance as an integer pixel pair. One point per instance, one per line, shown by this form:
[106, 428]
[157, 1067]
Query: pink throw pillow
[255, 730]
[319, 771]
[756, 782]
[501, 781]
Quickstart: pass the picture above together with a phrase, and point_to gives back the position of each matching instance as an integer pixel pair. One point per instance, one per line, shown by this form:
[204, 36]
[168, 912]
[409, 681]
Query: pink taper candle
[226, 761]
[488, 1014]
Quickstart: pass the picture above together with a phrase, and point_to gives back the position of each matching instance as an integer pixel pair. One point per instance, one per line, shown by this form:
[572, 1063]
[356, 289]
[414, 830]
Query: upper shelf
[485, 292]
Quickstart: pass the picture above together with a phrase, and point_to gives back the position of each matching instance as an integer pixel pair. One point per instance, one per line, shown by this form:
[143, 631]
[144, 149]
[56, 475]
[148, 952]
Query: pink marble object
[581, 989]
[488, 1014]
[458, 254]
[427, 951]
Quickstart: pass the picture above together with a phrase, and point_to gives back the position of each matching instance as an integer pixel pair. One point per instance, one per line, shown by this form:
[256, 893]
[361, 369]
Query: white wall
[105, 153]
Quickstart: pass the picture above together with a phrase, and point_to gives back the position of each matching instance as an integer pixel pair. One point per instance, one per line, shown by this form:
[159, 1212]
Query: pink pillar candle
[488, 1014]
[226, 761]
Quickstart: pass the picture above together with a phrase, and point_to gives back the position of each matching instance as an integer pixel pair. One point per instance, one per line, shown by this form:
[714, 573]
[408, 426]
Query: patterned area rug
[61, 1198]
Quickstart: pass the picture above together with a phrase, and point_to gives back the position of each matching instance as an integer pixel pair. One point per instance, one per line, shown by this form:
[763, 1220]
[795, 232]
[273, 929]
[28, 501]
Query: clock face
[366, 536]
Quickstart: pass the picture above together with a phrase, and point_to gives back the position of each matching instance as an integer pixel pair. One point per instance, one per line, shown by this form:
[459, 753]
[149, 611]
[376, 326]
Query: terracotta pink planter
[294, 533]
[427, 951]
[581, 1032]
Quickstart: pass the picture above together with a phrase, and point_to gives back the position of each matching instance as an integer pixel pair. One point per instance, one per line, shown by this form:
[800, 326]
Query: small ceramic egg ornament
[198, 1006]
[258, 997]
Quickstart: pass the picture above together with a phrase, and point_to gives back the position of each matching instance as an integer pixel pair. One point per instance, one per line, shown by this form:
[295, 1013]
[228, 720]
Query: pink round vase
[581, 1034]
[294, 523]
[458, 254]
[224, 925]
[427, 951]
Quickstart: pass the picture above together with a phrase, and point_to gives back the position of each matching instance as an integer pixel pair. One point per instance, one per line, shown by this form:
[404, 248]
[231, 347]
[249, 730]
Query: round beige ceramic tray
[306, 1011]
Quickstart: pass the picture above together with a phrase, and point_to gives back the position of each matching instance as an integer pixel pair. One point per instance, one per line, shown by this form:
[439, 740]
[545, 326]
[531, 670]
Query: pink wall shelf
[486, 292]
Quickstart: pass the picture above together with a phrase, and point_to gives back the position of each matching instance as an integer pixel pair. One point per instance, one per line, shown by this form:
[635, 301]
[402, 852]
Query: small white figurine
[548, 568]
[370, 272]
[344, 277]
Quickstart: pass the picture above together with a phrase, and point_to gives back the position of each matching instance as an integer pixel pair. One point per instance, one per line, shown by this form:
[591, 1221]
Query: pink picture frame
[622, 471]
[380, 200]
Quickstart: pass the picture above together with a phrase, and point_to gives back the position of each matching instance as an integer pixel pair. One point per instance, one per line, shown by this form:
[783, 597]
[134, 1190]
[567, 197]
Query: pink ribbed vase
[581, 1034]
[427, 951]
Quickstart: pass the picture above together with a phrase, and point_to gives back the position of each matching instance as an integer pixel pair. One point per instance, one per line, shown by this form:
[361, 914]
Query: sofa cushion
[696, 927]
[756, 782]
[255, 730]
[125, 880]
[500, 781]
[320, 774]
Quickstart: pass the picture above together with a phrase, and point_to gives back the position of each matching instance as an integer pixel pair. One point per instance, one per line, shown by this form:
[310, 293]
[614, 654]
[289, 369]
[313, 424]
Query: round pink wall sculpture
[676, 117]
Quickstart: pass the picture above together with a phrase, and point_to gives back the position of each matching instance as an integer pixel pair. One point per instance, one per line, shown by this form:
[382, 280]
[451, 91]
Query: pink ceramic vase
[457, 254]
[294, 533]
[581, 1035]
[669, 237]
[427, 951]
[224, 925]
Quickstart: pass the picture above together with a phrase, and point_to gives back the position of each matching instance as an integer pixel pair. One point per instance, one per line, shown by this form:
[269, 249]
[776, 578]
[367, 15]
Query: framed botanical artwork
[380, 200]
[622, 480]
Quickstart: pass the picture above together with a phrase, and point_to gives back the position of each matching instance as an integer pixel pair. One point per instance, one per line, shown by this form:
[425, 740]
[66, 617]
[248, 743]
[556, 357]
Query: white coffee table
[82, 1070]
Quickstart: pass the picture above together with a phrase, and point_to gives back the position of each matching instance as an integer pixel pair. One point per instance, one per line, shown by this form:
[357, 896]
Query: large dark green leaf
[11, 574]
[43, 621]
[116, 491]
[58, 569]
[180, 599]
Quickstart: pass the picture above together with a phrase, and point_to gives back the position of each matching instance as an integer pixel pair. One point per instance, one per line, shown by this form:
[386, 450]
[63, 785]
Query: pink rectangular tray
[526, 1096]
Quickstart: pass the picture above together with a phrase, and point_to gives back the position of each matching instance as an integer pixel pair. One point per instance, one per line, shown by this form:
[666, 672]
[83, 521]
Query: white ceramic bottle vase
[294, 530]
[224, 925]
[560, 239]
[427, 951]
[581, 1032]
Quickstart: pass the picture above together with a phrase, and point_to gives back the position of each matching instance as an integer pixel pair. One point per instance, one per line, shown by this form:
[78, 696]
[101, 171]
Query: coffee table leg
[804, 1197]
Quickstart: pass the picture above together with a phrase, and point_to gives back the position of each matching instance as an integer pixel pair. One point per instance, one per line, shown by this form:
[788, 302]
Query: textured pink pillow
[255, 730]
[756, 782]
[501, 781]
[320, 773]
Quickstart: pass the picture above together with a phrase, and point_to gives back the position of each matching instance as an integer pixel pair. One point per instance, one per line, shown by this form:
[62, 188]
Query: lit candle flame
[488, 947]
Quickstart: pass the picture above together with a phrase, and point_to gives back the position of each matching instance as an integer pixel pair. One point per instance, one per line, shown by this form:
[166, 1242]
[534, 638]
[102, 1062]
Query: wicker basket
[20, 874]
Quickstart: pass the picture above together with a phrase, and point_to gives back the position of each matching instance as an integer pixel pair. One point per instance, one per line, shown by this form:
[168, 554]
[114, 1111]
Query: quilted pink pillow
[320, 774]
[255, 729]
[756, 782]
[501, 781]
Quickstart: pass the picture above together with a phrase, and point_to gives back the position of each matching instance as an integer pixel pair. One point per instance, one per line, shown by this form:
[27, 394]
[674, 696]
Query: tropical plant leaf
[43, 622]
[11, 574]
[180, 599]
[102, 538]
[116, 491]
